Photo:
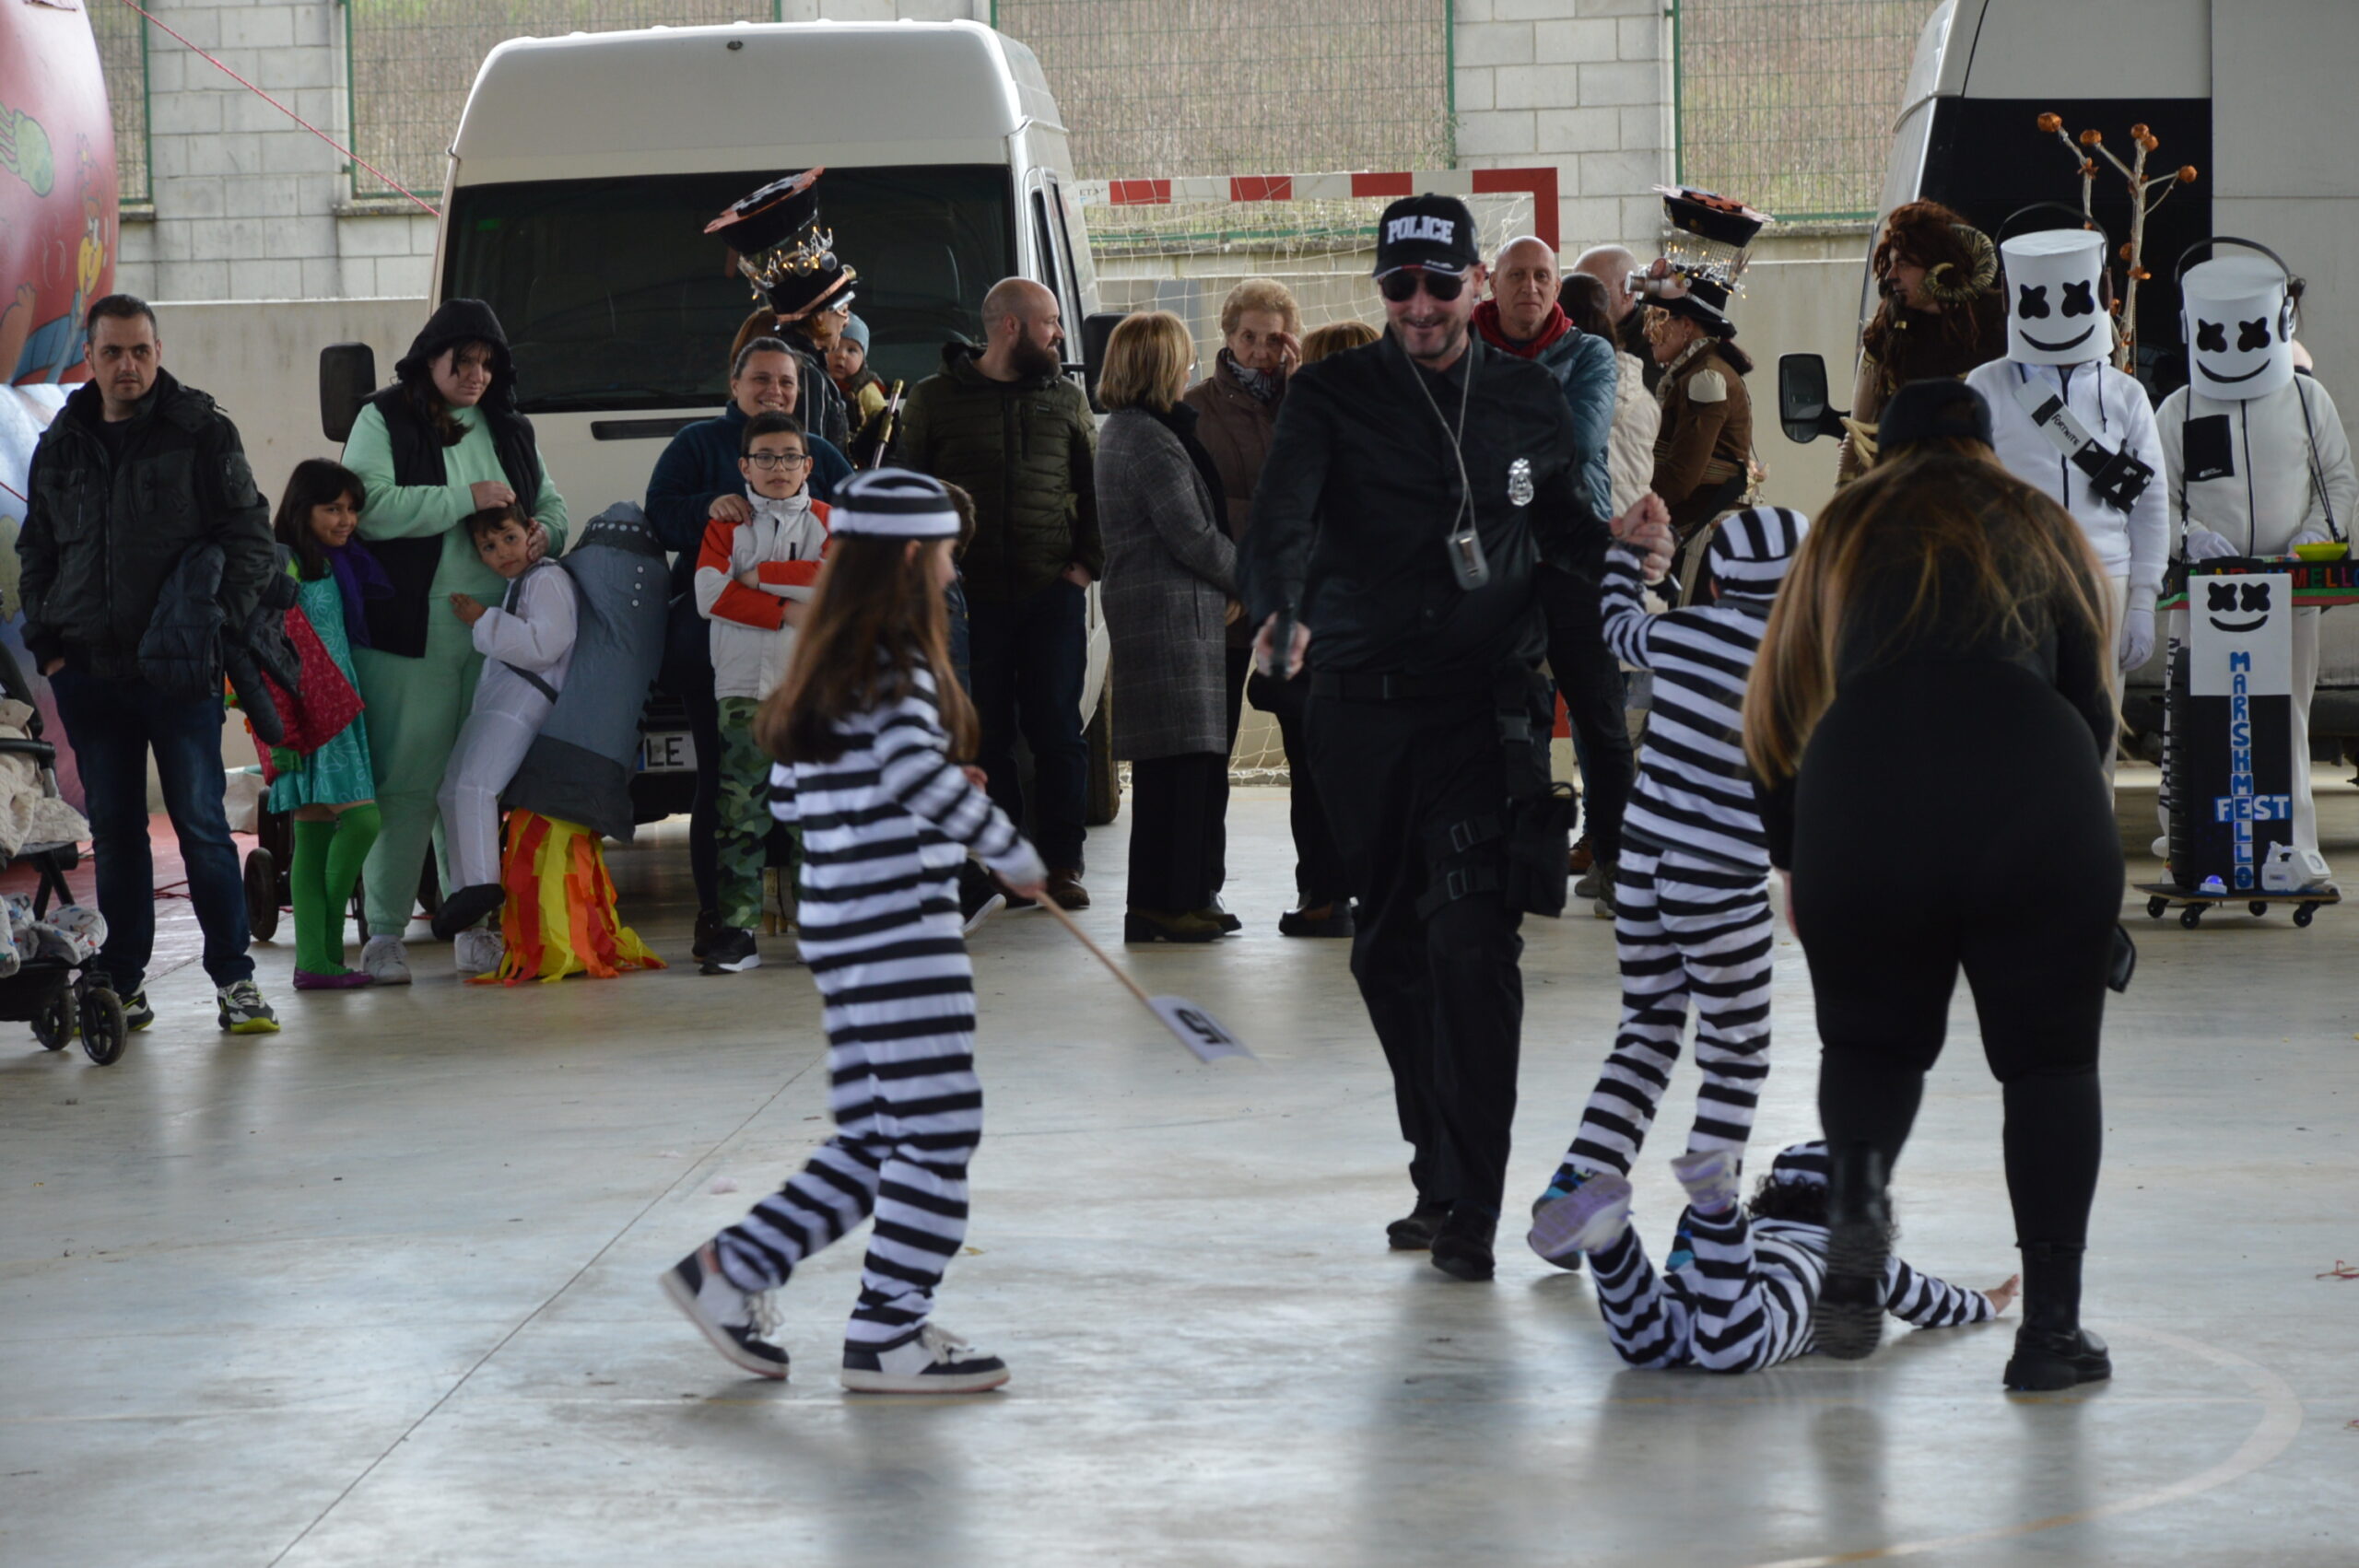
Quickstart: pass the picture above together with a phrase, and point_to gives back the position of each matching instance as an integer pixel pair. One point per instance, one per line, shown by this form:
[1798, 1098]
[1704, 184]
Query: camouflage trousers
[743, 834]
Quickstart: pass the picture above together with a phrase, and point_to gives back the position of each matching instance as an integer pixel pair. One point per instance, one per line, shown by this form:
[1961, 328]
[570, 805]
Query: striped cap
[1752, 548]
[893, 503]
[1804, 1164]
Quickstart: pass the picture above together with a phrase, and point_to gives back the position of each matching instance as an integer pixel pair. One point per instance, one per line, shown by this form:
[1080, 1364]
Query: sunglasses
[1400, 284]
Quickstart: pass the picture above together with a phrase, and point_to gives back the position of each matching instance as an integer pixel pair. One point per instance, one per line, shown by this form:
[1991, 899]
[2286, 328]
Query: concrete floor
[380, 1290]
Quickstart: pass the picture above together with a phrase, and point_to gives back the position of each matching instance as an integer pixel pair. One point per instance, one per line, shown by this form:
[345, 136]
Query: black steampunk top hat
[781, 248]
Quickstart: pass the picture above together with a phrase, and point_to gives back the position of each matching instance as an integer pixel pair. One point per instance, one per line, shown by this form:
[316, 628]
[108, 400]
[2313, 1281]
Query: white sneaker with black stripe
[935, 1362]
[739, 1323]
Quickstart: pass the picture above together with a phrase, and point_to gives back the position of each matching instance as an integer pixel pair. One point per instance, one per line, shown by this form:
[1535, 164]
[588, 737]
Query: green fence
[1788, 104]
[1243, 86]
[411, 62]
[122, 54]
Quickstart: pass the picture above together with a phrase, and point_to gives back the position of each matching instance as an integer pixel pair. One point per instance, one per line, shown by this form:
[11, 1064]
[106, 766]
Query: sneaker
[739, 1323]
[385, 960]
[1563, 1184]
[1461, 1246]
[980, 897]
[1064, 888]
[2160, 848]
[935, 1362]
[342, 981]
[708, 927]
[1583, 1220]
[1602, 897]
[477, 952]
[242, 1011]
[136, 1014]
[1710, 1178]
[1414, 1231]
[731, 952]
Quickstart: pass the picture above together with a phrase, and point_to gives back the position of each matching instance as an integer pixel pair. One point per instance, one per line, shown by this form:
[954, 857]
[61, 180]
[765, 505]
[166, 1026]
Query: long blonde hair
[1941, 513]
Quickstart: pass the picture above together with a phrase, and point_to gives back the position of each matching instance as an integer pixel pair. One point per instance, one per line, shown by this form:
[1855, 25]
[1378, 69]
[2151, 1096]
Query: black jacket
[102, 532]
[1360, 493]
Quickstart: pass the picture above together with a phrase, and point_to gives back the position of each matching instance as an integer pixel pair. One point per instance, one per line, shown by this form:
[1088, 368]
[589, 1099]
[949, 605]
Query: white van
[2248, 91]
[585, 168]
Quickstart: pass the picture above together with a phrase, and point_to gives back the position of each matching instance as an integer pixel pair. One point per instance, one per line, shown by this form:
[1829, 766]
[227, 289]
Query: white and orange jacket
[781, 548]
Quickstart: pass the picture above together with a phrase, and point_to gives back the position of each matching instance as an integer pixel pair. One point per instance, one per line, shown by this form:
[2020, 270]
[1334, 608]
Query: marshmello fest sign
[2239, 737]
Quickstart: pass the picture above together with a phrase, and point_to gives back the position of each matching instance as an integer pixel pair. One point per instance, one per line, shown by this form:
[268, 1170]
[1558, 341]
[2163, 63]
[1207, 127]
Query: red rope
[14, 491]
[431, 210]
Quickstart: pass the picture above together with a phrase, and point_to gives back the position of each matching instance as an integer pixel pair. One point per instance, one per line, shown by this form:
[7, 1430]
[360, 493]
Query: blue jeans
[1029, 660]
[112, 725]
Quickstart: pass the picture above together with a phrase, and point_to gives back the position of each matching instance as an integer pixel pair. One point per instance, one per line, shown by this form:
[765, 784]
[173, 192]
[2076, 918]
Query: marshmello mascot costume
[2065, 421]
[2255, 458]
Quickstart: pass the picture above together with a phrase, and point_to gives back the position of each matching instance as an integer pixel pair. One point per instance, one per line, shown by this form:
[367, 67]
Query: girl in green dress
[332, 791]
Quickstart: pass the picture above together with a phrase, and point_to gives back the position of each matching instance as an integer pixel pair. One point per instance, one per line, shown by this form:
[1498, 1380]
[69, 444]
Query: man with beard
[1411, 489]
[1003, 423]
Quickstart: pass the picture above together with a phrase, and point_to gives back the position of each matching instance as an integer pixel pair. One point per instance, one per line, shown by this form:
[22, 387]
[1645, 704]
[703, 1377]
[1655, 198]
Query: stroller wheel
[262, 894]
[54, 1024]
[102, 1026]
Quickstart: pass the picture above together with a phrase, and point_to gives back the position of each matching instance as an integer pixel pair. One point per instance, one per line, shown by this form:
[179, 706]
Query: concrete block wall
[1583, 85]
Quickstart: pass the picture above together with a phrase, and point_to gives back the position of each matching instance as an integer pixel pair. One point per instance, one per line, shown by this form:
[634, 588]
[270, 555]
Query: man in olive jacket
[132, 471]
[1004, 424]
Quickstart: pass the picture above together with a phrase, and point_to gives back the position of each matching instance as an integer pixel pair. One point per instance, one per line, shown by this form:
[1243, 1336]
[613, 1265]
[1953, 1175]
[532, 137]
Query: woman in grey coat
[1169, 590]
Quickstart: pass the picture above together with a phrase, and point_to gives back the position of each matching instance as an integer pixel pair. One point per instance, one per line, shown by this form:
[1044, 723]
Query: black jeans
[1029, 660]
[1589, 677]
[1320, 878]
[112, 725]
[1442, 989]
[687, 676]
[2028, 913]
[1178, 830]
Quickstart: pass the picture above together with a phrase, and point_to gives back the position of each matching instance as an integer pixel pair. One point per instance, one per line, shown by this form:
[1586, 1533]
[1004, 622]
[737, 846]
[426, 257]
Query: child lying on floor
[1746, 1299]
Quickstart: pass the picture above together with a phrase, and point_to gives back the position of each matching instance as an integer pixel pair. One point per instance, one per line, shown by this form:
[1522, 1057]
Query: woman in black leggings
[1937, 664]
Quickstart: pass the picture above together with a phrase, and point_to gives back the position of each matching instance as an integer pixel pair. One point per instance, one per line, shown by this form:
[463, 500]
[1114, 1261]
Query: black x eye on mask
[2079, 298]
[2252, 334]
[2031, 301]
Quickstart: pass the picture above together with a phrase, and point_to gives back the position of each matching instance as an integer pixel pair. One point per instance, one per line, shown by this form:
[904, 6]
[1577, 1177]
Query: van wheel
[1105, 800]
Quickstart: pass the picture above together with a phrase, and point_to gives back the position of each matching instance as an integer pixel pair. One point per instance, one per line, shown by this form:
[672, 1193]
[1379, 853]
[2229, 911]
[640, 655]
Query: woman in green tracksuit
[445, 441]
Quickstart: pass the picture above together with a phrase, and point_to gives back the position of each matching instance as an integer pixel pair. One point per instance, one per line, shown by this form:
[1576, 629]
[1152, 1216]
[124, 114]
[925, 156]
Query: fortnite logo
[1440, 229]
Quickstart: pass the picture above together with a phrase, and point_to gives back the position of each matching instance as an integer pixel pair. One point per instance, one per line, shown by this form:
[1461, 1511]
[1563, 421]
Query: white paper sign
[1198, 1029]
[2243, 641]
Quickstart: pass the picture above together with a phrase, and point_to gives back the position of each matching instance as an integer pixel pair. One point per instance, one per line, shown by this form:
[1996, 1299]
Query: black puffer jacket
[1026, 452]
[103, 532]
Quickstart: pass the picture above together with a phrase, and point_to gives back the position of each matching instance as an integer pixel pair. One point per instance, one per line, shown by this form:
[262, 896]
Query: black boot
[1414, 1231]
[2052, 1351]
[1461, 1246]
[1858, 1223]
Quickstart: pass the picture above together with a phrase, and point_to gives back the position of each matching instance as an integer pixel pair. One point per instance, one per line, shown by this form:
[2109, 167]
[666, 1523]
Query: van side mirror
[1802, 399]
[347, 377]
[1095, 329]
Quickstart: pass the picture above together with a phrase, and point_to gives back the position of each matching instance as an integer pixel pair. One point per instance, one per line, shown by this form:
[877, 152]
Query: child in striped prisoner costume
[1691, 898]
[1747, 1300]
[866, 726]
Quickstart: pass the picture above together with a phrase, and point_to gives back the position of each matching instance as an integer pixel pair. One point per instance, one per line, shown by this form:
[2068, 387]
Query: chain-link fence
[1243, 86]
[123, 55]
[1787, 104]
[412, 62]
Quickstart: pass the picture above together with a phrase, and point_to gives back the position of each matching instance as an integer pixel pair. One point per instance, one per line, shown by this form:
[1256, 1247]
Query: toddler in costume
[866, 729]
[527, 643]
[1692, 889]
[331, 791]
[1748, 1299]
[754, 581]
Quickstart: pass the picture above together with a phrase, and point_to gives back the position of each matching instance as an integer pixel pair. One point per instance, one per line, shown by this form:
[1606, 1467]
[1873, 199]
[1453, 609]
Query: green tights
[327, 864]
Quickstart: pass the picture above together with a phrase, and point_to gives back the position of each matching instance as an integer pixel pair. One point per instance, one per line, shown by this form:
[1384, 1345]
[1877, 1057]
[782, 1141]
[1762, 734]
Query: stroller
[61, 1000]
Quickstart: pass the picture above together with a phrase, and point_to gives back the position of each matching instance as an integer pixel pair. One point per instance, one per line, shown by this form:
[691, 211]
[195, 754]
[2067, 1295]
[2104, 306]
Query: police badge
[1520, 482]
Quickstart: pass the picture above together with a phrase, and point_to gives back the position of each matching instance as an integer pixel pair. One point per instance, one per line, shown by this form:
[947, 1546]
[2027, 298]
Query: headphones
[2289, 313]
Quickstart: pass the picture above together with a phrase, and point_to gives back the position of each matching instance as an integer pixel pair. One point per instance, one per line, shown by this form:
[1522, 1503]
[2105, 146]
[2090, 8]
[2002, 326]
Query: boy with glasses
[753, 579]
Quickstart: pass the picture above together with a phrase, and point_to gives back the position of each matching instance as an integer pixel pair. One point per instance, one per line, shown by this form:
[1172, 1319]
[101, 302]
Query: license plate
[674, 751]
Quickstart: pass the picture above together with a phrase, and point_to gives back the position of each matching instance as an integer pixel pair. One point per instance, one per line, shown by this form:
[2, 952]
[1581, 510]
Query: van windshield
[614, 298]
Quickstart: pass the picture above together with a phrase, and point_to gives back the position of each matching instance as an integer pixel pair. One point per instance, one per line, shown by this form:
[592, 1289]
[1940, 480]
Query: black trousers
[1238, 668]
[1318, 874]
[1027, 663]
[1442, 989]
[1589, 679]
[1918, 755]
[1178, 830]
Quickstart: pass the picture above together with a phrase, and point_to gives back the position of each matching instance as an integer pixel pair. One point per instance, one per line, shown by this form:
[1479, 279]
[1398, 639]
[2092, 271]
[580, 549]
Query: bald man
[1612, 265]
[1005, 423]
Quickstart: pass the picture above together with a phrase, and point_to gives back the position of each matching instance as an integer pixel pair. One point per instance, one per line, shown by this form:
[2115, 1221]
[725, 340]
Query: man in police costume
[1411, 489]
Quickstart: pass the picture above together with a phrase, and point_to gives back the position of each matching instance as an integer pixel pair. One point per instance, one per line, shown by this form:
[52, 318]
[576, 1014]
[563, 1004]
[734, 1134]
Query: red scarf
[1486, 321]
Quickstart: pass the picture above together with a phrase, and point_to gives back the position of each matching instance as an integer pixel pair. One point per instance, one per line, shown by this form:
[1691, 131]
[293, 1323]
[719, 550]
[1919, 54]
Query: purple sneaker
[1582, 1221]
[351, 979]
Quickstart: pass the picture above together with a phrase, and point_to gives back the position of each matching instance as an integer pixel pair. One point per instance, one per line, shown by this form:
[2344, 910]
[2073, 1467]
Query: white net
[1184, 257]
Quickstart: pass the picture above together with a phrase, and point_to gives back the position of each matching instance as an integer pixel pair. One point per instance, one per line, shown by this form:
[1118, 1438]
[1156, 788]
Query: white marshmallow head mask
[2055, 312]
[2239, 332]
